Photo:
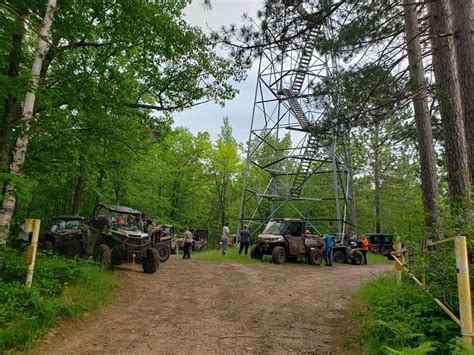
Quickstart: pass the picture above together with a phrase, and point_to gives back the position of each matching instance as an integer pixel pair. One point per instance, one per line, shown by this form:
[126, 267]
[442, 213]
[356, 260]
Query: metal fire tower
[295, 166]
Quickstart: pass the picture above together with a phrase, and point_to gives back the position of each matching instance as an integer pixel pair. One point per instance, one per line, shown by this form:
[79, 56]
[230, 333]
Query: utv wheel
[151, 262]
[103, 255]
[357, 258]
[315, 257]
[164, 251]
[48, 245]
[279, 255]
[73, 248]
[339, 257]
[256, 253]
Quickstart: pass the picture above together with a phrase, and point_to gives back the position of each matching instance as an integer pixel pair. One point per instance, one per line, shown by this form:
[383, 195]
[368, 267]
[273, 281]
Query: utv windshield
[61, 224]
[121, 220]
[274, 227]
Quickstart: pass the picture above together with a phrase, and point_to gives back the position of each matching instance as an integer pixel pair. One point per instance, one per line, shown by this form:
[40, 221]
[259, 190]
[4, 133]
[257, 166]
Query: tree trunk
[376, 170]
[19, 152]
[429, 180]
[448, 95]
[76, 202]
[11, 100]
[463, 44]
[174, 199]
[100, 181]
[117, 190]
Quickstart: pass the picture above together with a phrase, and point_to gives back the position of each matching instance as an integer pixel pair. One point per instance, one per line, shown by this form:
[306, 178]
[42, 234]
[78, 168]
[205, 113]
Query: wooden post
[464, 290]
[34, 226]
[398, 266]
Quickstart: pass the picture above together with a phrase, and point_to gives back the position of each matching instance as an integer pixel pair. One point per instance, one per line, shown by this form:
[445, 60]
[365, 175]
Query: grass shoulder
[62, 289]
[232, 256]
[394, 319]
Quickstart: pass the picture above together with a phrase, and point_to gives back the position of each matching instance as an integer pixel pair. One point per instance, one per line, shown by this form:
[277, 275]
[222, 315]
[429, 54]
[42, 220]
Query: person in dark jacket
[244, 239]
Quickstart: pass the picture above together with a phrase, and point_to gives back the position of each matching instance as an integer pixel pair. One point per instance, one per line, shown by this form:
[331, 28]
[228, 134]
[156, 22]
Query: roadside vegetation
[62, 289]
[403, 320]
[102, 130]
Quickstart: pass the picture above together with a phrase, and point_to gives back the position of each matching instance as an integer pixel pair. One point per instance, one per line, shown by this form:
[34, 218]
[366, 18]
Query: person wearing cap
[188, 243]
[244, 239]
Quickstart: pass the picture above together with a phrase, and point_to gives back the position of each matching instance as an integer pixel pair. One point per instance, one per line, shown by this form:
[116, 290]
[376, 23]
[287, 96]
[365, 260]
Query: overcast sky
[208, 117]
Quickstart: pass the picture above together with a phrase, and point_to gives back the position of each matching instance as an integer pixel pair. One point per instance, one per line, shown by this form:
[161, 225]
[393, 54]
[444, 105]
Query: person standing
[328, 247]
[244, 239]
[353, 240]
[365, 248]
[188, 243]
[225, 237]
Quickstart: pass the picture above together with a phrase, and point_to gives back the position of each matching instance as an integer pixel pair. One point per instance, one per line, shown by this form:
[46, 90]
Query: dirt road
[207, 308]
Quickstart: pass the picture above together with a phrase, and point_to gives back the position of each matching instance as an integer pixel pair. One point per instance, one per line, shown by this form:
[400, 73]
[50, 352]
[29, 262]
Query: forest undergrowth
[62, 289]
[403, 319]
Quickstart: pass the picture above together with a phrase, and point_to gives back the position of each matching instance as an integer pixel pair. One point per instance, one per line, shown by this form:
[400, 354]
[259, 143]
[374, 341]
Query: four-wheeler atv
[115, 234]
[163, 240]
[284, 239]
[343, 253]
[65, 236]
[200, 238]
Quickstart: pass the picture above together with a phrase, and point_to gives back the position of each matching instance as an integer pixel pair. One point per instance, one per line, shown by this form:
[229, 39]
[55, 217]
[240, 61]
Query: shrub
[62, 288]
[402, 317]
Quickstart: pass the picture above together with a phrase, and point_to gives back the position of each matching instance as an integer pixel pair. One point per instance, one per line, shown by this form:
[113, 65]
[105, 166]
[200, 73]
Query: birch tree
[21, 146]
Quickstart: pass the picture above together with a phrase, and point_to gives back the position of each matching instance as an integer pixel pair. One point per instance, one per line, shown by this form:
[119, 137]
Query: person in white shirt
[225, 237]
[188, 243]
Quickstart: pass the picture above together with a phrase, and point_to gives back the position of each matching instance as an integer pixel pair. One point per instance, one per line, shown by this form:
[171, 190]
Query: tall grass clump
[403, 320]
[62, 288]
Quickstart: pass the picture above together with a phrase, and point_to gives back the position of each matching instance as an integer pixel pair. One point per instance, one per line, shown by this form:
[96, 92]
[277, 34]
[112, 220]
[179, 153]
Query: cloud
[208, 117]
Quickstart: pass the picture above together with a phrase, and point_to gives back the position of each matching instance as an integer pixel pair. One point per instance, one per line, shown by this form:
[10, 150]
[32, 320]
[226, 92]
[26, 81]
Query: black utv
[65, 236]
[115, 234]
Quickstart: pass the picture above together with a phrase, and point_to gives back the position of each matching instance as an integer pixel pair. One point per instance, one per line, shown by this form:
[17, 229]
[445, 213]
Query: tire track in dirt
[196, 307]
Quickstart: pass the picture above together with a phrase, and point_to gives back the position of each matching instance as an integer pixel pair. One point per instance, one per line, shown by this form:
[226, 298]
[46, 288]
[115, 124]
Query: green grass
[232, 256]
[62, 288]
[402, 319]
[375, 259]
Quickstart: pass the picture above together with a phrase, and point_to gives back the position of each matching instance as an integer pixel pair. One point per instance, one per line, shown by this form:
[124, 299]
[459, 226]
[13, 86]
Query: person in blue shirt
[328, 247]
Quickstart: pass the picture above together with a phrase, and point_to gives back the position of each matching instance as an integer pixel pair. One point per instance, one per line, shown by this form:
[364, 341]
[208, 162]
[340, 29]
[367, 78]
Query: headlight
[279, 239]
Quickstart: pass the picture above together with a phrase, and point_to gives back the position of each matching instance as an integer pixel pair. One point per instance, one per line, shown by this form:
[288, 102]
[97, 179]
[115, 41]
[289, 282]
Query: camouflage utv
[284, 240]
[163, 240]
[200, 238]
[65, 236]
[115, 234]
